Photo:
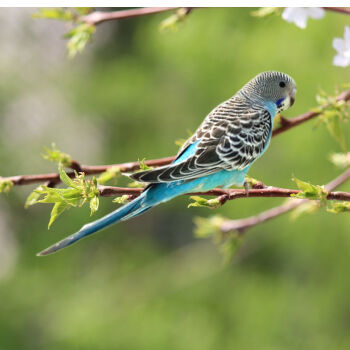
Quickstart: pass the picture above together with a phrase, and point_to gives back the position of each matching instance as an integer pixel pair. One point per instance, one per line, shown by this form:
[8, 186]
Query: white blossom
[342, 46]
[300, 15]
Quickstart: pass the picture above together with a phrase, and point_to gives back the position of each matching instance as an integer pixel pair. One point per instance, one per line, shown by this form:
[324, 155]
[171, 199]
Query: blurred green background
[147, 283]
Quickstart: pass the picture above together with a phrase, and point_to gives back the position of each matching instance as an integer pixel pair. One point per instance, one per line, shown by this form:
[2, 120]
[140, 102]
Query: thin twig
[98, 17]
[229, 194]
[342, 10]
[54, 178]
[243, 224]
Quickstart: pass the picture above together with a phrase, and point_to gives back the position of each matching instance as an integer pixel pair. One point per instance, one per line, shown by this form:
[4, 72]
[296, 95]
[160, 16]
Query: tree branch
[243, 224]
[230, 194]
[98, 17]
[54, 178]
[342, 10]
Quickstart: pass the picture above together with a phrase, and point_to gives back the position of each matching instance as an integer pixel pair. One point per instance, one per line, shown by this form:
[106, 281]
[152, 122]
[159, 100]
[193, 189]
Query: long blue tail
[126, 212]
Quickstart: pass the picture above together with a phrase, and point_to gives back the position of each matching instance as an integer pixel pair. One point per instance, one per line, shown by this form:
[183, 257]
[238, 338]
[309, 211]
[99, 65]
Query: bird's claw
[246, 187]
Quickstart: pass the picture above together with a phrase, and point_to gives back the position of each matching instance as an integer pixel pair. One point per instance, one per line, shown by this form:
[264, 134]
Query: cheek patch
[283, 104]
[279, 103]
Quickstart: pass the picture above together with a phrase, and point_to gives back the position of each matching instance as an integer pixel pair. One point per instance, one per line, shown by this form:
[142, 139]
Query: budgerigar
[229, 140]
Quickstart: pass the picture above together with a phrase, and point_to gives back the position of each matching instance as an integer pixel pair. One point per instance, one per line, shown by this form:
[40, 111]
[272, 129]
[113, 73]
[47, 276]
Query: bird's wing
[225, 140]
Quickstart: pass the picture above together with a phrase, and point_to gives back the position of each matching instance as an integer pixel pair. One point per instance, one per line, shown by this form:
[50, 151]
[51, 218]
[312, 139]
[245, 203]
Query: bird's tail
[126, 212]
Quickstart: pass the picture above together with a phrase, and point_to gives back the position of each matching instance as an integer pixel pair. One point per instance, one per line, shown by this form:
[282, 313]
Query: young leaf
[55, 155]
[78, 192]
[211, 227]
[62, 14]
[78, 38]
[202, 202]
[309, 191]
[266, 12]
[109, 174]
[305, 208]
[230, 247]
[33, 198]
[332, 113]
[94, 203]
[143, 165]
[65, 178]
[5, 185]
[121, 199]
[207, 227]
[57, 210]
[173, 21]
[339, 207]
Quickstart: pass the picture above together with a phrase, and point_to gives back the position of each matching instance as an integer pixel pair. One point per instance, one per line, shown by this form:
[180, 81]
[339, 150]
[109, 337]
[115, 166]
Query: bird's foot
[246, 187]
[253, 183]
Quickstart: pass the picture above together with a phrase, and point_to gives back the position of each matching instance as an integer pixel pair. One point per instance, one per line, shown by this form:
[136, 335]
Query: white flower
[300, 15]
[342, 58]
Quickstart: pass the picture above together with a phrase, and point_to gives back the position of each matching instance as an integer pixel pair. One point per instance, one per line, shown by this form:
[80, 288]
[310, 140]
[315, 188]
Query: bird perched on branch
[229, 140]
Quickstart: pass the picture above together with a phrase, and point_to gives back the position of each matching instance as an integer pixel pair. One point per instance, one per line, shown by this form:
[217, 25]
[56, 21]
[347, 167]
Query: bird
[219, 154]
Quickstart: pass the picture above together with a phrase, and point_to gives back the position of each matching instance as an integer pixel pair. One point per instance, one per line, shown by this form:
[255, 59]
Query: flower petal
[341, 61]
[339, 44]
[301, 20]
[316, 12]
[347, 36]
[288, 14]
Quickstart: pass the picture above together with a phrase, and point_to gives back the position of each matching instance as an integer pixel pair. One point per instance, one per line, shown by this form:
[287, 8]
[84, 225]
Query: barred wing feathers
[231, 137]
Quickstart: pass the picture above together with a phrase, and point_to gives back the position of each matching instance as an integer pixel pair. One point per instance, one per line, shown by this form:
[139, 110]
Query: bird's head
[275, 87]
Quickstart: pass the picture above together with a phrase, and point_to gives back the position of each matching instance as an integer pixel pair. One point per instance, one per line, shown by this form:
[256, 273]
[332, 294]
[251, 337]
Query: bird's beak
[292, 96]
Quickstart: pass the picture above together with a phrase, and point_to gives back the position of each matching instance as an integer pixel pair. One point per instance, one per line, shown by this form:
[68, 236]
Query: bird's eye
[282, 84]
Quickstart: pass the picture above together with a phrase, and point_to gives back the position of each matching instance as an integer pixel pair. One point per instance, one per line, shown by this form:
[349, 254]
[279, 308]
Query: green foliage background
[147, 283]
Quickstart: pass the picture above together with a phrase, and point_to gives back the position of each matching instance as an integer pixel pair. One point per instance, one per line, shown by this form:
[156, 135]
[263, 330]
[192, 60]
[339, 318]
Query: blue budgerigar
[229, 140]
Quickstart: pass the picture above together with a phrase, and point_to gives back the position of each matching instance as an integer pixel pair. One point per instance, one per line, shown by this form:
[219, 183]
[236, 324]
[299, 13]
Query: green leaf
[121, 199]
[82, 11]
[33, 197]
[334, 128]
[207, 227]
[180, 142]
[144, 166]
[94, 203]
[230, 247]
[303, 209]
[266, 12]
[228, 242]
[57, 210]
[60, 13]
[339, 207]
[111, 173]
[332, 113]
[202, 202]
[78, 192]
[78, 38]
[172, 22]
[135, 184]
[5, 185]
[251, 181]
[65, 178]
[55, 155]
[309, 191]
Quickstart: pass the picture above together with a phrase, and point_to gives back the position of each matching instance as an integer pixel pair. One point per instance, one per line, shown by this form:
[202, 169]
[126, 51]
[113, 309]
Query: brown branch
[243, 224]
[98, 17]
[54, 178]
[342, 10]
[230, 194]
